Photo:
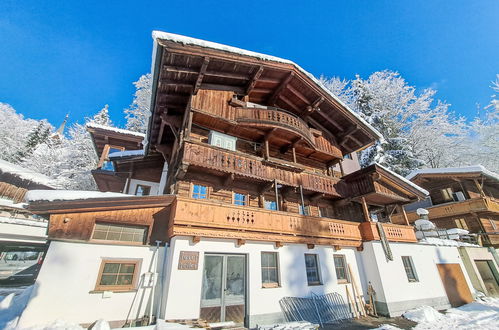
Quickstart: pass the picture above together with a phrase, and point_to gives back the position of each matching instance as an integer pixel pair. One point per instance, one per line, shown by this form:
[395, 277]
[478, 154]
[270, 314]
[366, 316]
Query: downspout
[162, 281]
[154, 276]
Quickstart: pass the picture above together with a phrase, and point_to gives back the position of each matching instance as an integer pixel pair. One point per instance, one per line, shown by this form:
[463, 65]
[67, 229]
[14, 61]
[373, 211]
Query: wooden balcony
[469, 206]
[201, 218]
[395, 233]
[256, 168]
[274, 118]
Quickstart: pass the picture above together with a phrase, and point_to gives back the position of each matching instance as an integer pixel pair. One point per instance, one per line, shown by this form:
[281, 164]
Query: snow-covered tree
[14, 131]
[138, 112]
[38, 135]
[102, 117]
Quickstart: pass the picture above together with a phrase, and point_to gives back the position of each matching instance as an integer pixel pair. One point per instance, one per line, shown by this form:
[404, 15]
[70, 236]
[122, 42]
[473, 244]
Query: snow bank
[213, 45]
[444, 242]
[115, 129]
[126, 153]
[64, 195]
[12, 306]
[423, 314]
[466, 169]
[24, 173]
[387, 327]
[423, 224]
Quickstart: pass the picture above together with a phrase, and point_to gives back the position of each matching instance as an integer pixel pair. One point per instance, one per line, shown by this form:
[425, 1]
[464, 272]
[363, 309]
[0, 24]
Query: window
[409, 269]
[199, 192]
[117, 275]
[222, 140]
[271, 205]
[312, 267]
[239, 199]
[326, 212]
[303, 209]
[142, 190]
[118, 232]
[447, 194]
[340, 267]
[104, 162]
[348, 156]
[461, 223]
[270, 270]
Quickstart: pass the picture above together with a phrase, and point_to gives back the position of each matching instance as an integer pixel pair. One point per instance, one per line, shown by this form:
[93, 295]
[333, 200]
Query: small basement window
[119, 233]
[409, 269]
[199, 192]
[270, 270]
[117, 275]
[312, 267]
[340, 267]
[142, 190]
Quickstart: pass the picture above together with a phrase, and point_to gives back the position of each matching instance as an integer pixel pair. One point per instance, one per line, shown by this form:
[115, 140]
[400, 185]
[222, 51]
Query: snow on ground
[478, 315]
[24, 173]
[64, 195]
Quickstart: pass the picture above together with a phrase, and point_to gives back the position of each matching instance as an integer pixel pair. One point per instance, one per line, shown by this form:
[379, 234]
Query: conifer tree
[138, 112]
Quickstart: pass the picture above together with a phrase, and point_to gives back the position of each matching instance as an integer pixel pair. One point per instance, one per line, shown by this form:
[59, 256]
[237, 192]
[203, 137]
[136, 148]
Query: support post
[294, 154]
[365, 210]
[341, 169]
[404, 214]
[276, 191]
[479, 187]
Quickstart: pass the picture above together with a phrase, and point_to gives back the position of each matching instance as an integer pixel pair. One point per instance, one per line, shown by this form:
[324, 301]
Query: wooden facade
[467, 200]
[261, 139]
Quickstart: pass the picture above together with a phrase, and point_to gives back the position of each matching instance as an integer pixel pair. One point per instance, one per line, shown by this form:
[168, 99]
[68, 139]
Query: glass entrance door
[223, 296]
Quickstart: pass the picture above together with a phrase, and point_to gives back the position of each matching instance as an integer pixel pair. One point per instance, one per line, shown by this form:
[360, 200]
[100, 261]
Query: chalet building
[247, 190]
[465, 197]
[23, 235]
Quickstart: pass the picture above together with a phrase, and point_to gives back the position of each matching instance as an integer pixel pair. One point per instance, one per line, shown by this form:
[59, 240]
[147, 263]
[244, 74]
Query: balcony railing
[486, 204]
[393, 232]
[212, 219]
[218, 220]
[275, 117]
[254, 167]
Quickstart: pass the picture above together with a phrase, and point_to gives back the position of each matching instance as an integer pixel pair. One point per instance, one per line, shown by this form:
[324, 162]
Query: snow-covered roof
[213, 45]
[24, 173]
[65, 195]
[10, 203]
[115, 129]
[126, 153]
[424, 191]
[457, 170]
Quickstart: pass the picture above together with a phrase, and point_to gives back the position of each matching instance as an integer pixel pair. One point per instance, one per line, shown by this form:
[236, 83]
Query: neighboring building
[23, 235]
[463, 197]
[241, 186]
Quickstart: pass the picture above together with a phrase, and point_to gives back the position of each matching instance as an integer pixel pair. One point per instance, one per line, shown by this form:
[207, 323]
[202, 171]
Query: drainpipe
[162, 282]
[153, 279]
[302, 199]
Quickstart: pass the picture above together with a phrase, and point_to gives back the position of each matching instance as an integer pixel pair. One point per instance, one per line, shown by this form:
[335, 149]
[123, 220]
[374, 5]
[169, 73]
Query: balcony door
[223, 296]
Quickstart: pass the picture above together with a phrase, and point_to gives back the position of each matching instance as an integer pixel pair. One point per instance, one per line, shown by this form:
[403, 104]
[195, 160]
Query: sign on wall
[188, 260]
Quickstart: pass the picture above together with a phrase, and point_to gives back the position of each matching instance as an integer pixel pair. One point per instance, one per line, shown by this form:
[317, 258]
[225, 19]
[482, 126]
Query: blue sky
[75, 56]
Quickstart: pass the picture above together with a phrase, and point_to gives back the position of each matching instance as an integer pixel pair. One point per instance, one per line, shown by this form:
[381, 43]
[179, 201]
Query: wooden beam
[291, 104]
[293, 144]
[254, 79]
[331, 121]
[365, 210]
[228, 179]
[264, 188]
[202, 71]
[273, 98]
[313, 107]
[196, 239]
[344, 135]
[479, 187]
[298, 94]
[401, 210]
[279, 244]
[315, 197]
[310, 246]
[241, 242]
[221, 87]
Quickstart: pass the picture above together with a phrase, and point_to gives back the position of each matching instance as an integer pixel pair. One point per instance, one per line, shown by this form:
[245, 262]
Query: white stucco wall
[184, 291]
[134, 182]
[69, 274]
[390, 280]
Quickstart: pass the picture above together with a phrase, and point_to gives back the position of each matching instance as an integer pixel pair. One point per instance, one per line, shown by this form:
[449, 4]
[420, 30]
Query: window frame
[317, 268]
[345, 269]
[108, 241]
[246, 198]
[117, 288]
[201, 185]
[303, 209]
[412, 269]
[277, 268]
[447, 194]
[143, 185]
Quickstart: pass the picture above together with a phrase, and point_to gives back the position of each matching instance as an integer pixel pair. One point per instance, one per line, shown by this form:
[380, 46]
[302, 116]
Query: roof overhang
[182, 65]
[102, 135]
[100, 204]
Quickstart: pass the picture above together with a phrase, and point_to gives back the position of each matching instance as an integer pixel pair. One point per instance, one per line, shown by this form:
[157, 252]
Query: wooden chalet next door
[455, 284]
[223, 296]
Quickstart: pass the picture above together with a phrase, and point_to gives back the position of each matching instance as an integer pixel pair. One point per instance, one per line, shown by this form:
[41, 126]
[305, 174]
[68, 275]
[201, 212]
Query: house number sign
[188, 260]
